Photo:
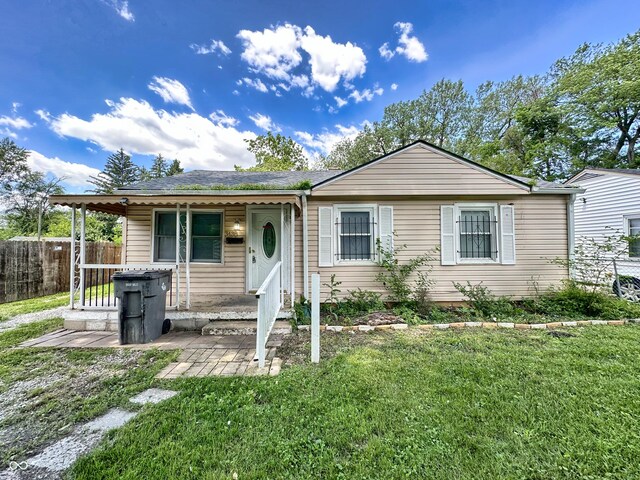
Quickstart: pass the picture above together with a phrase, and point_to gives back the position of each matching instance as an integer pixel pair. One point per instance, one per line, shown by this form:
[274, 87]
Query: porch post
[281, 253]
[83, 250]
[177, 256]
[293, 254]
[305, 246]
[188, 257]
[72, 269]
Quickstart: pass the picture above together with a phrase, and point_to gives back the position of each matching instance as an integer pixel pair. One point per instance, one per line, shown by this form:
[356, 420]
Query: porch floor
[201, 356]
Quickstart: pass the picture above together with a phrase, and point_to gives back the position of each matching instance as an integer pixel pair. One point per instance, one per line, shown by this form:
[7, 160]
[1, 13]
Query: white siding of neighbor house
[602, 207]
[600, 211]
[540, 230]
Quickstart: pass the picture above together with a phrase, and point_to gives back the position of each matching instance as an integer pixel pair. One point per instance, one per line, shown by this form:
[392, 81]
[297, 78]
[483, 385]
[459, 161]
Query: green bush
[484, 304]
[361, 301]
[575, 302]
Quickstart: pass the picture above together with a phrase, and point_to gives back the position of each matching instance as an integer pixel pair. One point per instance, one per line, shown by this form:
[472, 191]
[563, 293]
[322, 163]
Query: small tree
[13, 164]
[159, 167]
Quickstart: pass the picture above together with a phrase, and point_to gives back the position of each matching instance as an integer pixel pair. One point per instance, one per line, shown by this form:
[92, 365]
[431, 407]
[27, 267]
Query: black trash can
[141, 304]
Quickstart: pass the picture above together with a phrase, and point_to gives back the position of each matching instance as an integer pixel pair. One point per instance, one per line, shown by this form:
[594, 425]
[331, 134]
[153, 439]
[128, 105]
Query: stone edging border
[444, 326]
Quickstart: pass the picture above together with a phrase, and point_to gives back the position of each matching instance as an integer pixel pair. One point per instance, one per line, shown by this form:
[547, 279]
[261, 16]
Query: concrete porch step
[242, 327]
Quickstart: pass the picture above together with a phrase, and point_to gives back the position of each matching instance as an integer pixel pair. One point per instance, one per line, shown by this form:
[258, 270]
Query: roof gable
[421, 169]
[590, 173]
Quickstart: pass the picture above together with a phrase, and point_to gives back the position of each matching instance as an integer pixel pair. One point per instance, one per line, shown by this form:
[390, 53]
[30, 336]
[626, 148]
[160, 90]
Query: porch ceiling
[117, 204]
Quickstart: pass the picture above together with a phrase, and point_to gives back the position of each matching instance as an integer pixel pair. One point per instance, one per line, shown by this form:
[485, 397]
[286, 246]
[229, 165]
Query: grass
[38, 304]
[8, 310]
[441, 405]
[45, 392]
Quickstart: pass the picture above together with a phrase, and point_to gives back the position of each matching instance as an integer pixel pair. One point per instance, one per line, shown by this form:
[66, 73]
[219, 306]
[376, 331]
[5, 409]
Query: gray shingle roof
[231, 179]
[539, 183]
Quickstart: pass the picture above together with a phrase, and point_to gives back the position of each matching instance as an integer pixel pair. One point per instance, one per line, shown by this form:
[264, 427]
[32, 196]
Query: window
[165, 237]
[206, 237]
[633, 229]
[355, 227]
[476, 228]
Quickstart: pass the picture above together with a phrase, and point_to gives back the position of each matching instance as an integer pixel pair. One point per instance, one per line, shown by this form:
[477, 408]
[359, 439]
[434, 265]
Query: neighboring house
[610, 206]
[235, 227]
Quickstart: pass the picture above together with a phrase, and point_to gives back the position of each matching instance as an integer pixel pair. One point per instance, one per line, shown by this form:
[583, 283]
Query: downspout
[571, 232]
[305, 245]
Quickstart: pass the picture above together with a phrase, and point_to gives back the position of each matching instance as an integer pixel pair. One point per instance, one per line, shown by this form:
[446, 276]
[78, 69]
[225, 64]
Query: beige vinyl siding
[418, 171]
[227, 278]
[541, 236]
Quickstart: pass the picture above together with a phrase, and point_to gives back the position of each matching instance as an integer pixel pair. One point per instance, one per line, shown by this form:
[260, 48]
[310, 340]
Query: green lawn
[45, 392]
[468, 404]
[11, 309]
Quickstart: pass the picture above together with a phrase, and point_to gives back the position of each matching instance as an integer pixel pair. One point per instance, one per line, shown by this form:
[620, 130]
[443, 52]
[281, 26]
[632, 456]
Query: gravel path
[31, 317]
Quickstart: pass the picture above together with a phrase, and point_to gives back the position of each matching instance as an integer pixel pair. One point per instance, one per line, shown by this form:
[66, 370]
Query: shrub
[396, 276]
[574, 301]
[302, 311]
[483, 303]
[361, 301]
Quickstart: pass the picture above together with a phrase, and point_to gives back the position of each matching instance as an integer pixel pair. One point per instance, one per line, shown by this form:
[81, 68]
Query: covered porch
[231, 253]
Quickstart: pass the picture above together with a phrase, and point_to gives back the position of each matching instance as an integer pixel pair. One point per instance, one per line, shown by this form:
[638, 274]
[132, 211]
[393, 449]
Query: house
[249, 230]
[610, 206]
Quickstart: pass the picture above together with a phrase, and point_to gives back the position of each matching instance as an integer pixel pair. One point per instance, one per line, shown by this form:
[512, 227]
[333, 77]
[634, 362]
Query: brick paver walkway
[201, 356]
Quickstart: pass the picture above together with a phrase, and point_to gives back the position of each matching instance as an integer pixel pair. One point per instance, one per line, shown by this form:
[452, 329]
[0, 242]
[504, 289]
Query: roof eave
[557, 190]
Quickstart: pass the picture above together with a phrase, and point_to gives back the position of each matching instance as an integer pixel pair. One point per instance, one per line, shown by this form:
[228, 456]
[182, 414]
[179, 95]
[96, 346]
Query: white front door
[264, 245]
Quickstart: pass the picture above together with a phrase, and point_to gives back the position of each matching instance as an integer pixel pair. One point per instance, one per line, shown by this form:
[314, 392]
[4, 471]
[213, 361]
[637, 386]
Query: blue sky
[193, 79]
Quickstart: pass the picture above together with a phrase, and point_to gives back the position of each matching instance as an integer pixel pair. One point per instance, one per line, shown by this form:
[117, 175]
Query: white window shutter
[507, 235]
[325, 236]
[385, 227]
[447, 235]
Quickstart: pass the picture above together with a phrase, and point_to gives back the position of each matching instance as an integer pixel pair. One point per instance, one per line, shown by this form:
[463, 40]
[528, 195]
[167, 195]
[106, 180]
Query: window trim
[372, 209]
[478, 206]
[191, 211]
[627, 230]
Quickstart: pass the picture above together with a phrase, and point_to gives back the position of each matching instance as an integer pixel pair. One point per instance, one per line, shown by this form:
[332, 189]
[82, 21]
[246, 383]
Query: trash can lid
[140, 274]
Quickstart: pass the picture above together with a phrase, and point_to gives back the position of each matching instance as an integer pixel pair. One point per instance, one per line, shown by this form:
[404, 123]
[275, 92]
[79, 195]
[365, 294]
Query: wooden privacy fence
[31, 269]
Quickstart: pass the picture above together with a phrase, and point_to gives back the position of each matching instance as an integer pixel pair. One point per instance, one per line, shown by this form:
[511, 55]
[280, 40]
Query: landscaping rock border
[458, 325]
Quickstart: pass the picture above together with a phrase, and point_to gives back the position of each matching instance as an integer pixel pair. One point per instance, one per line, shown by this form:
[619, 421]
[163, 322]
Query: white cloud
[253, 83]
[394, 86]
[276, 52]
[43, 114]
[74, 174]
[272, 52]
[15, 106]
[385, 52]
[265, 123]
[171, 91]
[325, 141]
[220, 118]
[134, 125]
[341, 102]
[366, 94]
[332, 62]
[9, 124]
[408, 45]
[122, 8]
[216, 46]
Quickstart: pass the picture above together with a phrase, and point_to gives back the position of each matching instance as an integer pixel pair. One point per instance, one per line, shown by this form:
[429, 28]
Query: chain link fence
[626, 279]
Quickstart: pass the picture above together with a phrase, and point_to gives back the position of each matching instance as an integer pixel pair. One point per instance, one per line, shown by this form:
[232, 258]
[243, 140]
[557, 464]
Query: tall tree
[159, 168]
[275, 153]
[599, 86]
[174, 168]
[13, 164]
[118, 172]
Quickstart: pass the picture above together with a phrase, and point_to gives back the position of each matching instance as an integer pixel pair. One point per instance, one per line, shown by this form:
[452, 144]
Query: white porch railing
[94, 288]
[269, 304]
